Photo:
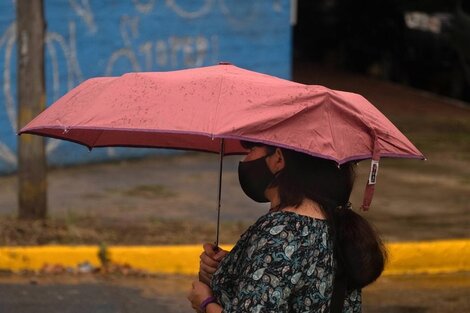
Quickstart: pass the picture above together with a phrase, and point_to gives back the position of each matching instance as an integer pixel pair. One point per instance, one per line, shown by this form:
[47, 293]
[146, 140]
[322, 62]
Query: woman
[309, 246]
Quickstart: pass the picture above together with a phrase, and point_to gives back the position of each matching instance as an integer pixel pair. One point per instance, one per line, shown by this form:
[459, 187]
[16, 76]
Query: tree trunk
[32, 183]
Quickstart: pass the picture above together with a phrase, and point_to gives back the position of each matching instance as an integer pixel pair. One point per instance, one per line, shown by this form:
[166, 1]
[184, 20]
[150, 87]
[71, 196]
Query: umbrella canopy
[213, 108]
[195, 108]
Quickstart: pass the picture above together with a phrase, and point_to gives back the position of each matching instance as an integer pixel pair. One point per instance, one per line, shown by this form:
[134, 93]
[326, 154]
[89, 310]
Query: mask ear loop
[276, 174]
[274, 182]
[374, 168]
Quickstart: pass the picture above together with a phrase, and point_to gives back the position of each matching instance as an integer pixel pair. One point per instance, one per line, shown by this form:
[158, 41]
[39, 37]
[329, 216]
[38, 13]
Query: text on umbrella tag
[374, 168]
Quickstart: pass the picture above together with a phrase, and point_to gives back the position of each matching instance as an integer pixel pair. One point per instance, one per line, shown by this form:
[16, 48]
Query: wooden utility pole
[32, 167]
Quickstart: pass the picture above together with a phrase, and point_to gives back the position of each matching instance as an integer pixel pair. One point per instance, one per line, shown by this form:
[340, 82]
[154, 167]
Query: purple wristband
[206, 302]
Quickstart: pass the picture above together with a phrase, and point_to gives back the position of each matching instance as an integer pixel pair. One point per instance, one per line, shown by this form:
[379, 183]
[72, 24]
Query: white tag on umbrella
[374, 168]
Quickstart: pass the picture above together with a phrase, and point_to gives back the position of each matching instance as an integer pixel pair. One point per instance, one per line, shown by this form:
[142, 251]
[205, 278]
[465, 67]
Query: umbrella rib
[97, 138]
[215, 119]
[332, 133]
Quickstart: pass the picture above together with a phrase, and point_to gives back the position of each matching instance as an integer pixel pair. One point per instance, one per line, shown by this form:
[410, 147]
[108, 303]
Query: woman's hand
[198, 294]
[210, 260]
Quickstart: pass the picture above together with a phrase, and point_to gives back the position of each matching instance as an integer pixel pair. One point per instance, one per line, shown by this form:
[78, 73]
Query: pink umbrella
[213, 108]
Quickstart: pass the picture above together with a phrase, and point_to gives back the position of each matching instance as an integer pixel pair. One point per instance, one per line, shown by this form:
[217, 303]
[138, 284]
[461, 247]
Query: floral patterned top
[282, 263]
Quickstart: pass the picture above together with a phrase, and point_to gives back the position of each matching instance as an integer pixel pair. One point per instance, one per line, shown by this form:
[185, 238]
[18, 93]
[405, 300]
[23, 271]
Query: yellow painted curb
[430, 257]
[161, 259]
[34, 258]
[444, 256]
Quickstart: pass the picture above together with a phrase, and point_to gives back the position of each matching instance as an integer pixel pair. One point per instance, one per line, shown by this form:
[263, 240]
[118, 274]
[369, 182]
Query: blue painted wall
[110, 37]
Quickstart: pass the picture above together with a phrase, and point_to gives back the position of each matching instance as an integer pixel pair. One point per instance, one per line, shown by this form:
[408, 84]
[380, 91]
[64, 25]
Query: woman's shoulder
[285, 236]
[285, 224]
[288, 219]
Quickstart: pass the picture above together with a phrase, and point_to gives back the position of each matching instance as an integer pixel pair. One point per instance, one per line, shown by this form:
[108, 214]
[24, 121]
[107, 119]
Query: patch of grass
[147, 191]
[464, 180]
[438, 133]
[99, 231]
[93, 195]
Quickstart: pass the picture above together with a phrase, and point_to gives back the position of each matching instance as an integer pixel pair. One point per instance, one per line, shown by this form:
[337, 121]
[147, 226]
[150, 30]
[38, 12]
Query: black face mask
[255, 177]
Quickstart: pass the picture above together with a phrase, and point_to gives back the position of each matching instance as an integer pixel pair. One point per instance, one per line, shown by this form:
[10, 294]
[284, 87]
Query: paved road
[70, 294]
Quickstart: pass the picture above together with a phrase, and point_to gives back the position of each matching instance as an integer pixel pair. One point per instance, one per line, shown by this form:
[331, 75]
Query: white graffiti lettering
[83, 9]
[69, 50]
[144, 7]
[204, 9]
[227, 7]
[146, 50]
[74, 76]
[10, 38]
[122, 53]
[193, 50]
[7, 156]
[171, 52]
[129, 28]
[161, 53]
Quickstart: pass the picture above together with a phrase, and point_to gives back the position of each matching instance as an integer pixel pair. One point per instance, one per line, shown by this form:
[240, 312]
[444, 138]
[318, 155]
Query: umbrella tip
[225, 63]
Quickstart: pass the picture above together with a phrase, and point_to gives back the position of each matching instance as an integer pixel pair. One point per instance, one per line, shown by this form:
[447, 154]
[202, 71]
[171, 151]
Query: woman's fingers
[205, 278]
[207, 269]
[220, 254]
[210, 249]
[209, 261]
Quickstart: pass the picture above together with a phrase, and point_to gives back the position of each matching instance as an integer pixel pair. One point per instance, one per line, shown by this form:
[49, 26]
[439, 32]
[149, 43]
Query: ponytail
[360, 252]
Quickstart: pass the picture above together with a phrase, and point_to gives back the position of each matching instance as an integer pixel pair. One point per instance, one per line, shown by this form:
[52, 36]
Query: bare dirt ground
[172, 199]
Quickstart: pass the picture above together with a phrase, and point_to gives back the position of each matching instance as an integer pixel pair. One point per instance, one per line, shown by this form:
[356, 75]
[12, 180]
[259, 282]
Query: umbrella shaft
[222, 147]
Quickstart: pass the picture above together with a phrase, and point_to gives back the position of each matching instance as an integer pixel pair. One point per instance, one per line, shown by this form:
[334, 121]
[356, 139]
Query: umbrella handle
[201, 279]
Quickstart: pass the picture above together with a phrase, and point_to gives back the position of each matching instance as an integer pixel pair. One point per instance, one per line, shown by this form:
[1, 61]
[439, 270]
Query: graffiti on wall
[85, 38]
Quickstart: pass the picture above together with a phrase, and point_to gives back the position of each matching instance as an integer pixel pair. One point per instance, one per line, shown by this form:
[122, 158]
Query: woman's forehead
[260, 148]
[256, 152]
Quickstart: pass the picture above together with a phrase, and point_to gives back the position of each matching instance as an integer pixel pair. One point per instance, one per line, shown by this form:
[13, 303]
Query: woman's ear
[278, 160]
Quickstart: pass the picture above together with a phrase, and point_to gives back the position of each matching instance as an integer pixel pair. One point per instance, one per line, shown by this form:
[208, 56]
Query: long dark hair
[359, 251]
